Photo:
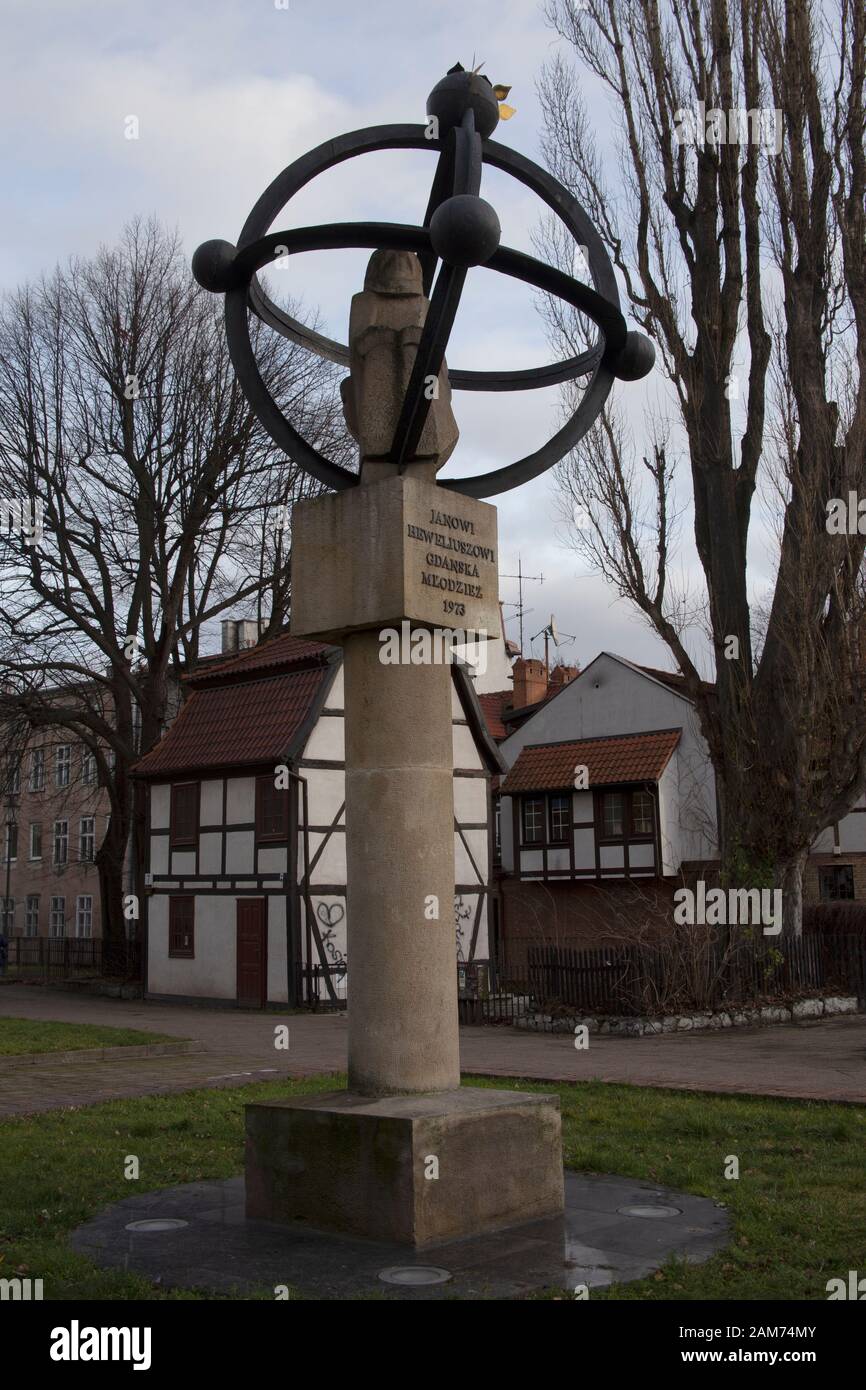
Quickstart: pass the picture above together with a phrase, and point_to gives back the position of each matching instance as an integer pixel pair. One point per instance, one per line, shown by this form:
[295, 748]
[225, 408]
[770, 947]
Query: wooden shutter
[272, 810]
[184, 813]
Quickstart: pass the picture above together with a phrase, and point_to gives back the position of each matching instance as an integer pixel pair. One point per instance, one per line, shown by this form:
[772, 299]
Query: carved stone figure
[384, 331]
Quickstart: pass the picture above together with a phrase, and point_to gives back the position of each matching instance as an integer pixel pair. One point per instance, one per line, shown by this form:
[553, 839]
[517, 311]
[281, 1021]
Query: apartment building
[55, 814]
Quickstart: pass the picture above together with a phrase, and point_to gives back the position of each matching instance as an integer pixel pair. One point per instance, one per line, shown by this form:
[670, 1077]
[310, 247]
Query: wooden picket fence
[629, 979]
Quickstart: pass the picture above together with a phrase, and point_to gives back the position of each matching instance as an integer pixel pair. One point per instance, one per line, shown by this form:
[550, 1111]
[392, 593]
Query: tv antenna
[521, 578]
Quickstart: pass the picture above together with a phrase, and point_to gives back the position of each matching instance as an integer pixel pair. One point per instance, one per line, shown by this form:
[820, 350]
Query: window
[560, 818]
[181, 927]
[497, 829]
[61, 841]
[35, 839]
[8, 915]
[272, 810]
[642, 820]
[84, 915]
[836, 883]
[11, 843]
[612, 814]
[57, 917]
[31, 916]
[184, 814]
[88, 767]
[533, 820]
[86, 839]
[62, 764]
[13, 774]
[37, 770]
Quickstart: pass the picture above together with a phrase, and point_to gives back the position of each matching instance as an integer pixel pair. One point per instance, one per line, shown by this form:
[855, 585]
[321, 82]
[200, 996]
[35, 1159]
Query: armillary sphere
[460, 230]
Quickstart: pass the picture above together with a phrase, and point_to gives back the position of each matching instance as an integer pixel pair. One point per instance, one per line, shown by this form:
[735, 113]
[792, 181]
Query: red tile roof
[621, 758]
[242, 723]
[282, 651]
[492, 706]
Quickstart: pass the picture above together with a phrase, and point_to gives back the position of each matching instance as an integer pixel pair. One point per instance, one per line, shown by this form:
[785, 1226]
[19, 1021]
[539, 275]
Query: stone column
[400, 850]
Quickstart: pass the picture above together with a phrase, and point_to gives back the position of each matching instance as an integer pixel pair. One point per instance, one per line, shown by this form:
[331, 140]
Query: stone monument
[396, 543]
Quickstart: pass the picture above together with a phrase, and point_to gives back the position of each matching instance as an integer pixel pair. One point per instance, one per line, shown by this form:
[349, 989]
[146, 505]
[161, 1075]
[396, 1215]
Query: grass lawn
[798, 1208]
[19, 1035]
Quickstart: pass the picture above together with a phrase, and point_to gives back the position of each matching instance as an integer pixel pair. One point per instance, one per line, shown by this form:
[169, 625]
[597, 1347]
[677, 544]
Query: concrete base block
[412, 1169]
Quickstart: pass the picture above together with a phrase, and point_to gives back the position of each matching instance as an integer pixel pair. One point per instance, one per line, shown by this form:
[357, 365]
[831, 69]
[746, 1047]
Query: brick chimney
[530, 681]
[563, 675]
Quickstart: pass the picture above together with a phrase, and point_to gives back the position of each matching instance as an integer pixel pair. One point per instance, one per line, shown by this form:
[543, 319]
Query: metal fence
[72, 958]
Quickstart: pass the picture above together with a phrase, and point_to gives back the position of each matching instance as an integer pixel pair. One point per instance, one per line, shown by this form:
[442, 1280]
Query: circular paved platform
[597, 1242]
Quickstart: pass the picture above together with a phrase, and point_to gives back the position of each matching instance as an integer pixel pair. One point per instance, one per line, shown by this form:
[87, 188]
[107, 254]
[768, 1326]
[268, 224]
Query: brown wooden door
[252, 953]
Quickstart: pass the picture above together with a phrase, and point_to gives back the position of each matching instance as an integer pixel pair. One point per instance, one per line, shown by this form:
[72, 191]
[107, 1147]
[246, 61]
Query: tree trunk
[791, 884]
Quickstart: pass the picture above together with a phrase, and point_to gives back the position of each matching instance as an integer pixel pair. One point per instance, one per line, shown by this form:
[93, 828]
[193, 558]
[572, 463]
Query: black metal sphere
[451, 98]
[636, 358]
[465, 230]
[213, 266]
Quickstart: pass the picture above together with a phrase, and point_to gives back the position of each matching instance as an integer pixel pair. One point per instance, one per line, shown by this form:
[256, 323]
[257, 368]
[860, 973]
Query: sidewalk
[825, 1060]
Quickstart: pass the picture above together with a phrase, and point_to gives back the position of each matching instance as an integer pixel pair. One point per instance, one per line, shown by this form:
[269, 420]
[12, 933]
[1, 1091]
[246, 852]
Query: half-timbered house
[245, 899]
[609, 805]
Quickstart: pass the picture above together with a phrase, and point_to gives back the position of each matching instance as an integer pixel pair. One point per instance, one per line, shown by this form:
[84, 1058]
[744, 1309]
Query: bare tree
[163, 502]
[740, 238]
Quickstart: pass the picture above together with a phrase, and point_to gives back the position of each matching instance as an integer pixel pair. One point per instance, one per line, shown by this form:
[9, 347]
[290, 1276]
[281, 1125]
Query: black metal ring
[255, 248]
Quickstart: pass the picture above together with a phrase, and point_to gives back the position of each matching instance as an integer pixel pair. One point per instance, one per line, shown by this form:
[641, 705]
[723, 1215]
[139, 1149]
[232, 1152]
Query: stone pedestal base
[368, 1167]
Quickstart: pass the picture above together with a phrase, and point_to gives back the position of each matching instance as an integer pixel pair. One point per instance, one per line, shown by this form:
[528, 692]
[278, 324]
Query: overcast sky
[226, 93]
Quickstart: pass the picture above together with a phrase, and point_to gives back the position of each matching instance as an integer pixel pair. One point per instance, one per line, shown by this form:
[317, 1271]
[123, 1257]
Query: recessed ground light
[414, 1275]
[650, 1212]
[159, 1223]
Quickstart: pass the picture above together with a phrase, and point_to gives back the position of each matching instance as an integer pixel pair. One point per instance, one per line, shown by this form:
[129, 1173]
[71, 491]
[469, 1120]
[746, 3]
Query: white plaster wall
[456, 707]
[335, 694]
[327, 740]
[241, 800]
[852, 832]
[470, 799]
[641, 857]
[160, 806]
[240, 852]
[210, 847]
[609, 697]
[331, 867]
[668, 813]
[211, 803]
[158, 854]
[497, 674]
[213, 972]
[477, 843]
[277, 983]
[465, 752]
[611, 856]
[584, 849]
[182, 862]
[558, 859]
[326, 793]
[273, 860]
[531, 861]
